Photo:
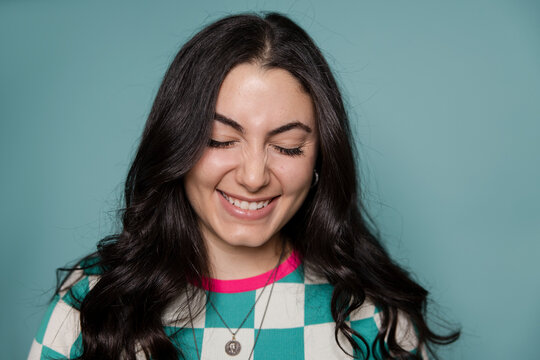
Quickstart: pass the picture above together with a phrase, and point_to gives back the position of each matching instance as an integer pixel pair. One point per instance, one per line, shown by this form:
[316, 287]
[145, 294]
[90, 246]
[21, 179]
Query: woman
[243, 232]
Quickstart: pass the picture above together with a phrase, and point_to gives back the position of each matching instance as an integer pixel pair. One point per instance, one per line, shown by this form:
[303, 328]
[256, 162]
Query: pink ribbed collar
[254, 282]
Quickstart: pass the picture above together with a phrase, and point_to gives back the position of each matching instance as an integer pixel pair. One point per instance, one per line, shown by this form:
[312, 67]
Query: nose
[253, 173]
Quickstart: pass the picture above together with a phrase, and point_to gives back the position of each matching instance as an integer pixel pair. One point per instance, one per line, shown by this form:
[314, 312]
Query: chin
[247, 240]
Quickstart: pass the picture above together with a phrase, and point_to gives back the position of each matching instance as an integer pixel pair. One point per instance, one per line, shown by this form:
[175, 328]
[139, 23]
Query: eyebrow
[292, 125]
[225, 120]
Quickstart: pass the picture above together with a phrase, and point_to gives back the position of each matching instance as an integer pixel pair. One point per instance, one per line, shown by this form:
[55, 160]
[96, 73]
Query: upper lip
[246, 198]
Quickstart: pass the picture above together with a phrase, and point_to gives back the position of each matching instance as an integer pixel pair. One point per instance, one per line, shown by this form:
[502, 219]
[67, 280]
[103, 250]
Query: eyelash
[290, 152]
[219, 144]
[285, 151]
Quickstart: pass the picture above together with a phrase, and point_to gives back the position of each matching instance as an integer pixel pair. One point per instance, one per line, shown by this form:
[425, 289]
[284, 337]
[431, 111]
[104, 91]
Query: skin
[248, 159]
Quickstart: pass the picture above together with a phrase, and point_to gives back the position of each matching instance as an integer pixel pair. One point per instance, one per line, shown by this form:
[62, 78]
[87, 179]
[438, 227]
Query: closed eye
[220, 144]
[297, 151]
[290, 151]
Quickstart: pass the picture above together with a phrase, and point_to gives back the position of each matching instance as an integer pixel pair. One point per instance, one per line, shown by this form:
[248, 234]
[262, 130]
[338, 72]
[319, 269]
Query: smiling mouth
[246, 205]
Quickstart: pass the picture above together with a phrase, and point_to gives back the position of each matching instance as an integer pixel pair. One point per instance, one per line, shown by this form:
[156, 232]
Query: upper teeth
[246, 205]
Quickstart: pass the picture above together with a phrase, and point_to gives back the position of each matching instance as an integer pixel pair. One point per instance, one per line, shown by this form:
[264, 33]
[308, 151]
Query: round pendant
[233, 348]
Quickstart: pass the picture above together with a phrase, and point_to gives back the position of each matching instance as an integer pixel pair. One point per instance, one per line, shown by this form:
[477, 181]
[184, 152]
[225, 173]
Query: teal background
[444, 100]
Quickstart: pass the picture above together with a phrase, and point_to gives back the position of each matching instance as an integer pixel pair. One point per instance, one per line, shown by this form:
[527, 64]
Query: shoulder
[79, 282]
[366, 320]
[59, 335]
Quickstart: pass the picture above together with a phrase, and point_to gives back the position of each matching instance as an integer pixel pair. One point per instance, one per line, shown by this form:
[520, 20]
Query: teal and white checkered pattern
[298, 324]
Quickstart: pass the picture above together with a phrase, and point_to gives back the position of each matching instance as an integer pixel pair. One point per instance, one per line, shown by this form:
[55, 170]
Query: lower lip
[246, 214]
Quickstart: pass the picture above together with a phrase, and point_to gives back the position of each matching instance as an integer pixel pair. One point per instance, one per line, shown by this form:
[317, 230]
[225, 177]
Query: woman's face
[258, 166]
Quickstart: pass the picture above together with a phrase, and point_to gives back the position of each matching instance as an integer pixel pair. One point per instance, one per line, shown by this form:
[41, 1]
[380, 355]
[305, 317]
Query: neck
[239, 262]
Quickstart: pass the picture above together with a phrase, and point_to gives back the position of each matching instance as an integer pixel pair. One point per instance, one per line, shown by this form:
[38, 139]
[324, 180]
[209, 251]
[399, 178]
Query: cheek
[295, 176]
[212, 166]
[203, 178]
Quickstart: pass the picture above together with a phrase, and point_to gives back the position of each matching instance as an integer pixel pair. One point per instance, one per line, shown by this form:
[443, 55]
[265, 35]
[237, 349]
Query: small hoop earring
[316, 178]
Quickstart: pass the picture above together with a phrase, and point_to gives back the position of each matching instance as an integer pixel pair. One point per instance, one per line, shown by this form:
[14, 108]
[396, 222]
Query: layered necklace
[233, 346]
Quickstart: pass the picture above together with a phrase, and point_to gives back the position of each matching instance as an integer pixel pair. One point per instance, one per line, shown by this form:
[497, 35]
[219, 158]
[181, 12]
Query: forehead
[258, 97]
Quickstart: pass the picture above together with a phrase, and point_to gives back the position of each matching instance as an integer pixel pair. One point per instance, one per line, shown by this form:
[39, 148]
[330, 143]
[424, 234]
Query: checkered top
[298, 323]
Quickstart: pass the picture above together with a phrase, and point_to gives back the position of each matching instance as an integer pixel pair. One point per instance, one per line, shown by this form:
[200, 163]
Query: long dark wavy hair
[148, 265]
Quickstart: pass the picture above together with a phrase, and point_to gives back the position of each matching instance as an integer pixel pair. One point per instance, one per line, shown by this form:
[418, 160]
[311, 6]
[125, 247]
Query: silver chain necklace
[233, 346]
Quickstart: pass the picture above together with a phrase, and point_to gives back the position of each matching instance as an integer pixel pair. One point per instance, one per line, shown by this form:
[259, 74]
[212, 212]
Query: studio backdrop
[444, 102]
